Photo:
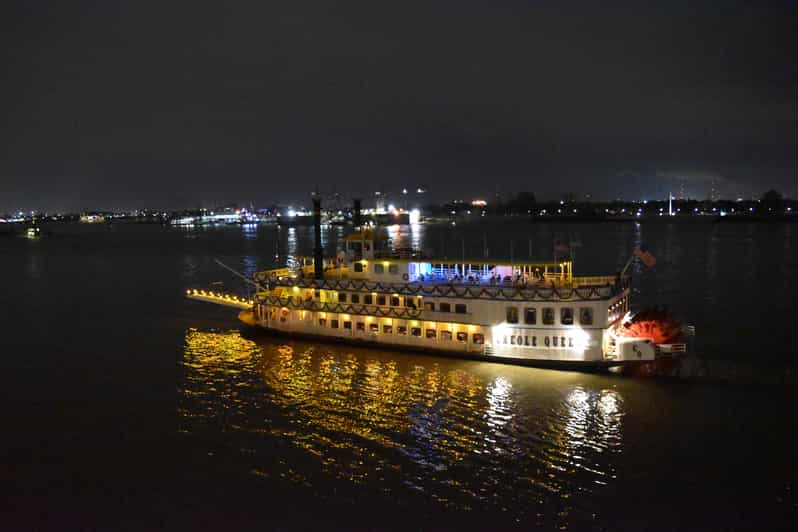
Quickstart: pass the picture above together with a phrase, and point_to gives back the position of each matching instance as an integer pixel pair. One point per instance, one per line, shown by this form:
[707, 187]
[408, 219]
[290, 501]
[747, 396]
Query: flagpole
[628, 263]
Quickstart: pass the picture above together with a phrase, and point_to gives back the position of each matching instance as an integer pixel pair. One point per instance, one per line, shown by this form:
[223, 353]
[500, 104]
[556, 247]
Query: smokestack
[318, 252]
[356, 220]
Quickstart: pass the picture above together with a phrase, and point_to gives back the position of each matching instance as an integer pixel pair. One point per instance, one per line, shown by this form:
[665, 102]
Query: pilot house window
[548, 316]
[460, 308]
[586, 316]
[530, 316]
[567, 316]
[445, 307]
[512, 314]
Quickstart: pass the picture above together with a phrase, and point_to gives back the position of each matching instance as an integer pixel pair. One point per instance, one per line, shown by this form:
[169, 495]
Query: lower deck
[518, 342]
[487, 353]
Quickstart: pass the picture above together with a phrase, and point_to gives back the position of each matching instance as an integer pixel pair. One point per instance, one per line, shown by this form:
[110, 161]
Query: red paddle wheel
[657, 324]
[660, 327]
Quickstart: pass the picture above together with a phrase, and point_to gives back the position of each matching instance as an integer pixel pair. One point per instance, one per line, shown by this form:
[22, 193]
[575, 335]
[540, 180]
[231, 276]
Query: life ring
[405, 277]
[284, 312]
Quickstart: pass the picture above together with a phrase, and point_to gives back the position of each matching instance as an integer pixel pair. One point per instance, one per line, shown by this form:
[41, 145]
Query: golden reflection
[377, 402]
[469, 433]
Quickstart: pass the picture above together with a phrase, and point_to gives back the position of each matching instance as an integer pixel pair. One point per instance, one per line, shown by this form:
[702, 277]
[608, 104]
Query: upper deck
[368, 264]
[470, 279]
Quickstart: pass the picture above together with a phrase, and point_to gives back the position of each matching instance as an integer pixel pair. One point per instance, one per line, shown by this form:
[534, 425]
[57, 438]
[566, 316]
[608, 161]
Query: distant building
[91, 218]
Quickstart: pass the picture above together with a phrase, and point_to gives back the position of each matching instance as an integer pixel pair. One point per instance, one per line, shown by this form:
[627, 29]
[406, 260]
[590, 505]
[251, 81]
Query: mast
[318, 252]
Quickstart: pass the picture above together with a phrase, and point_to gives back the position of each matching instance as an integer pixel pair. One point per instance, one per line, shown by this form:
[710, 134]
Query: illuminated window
[530, 316]
[368, 299]
[415, 331]
[460, 308]
[322, 322]
[401, 329]
[586, 316]
[444, 307]
[429, 305]
[379, 269]
[341, 297]
[478, 338]
[334, 324]
[373, 327]
[348, 325]
[512, 314]
[548, 316]
[381, 301]
[358, 267]
[393, 269]
[462, 337]
[431, 333]
[360, 326]
[446, 335]
[394, 301]
[355, 298]
[387, 329]
[567, 316]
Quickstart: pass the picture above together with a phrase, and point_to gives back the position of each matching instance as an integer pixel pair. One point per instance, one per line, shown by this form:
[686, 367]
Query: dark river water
[127, 406]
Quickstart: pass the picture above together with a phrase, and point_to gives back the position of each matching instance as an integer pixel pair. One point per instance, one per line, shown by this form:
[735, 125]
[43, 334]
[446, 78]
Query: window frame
[511, 311]
[534, 311]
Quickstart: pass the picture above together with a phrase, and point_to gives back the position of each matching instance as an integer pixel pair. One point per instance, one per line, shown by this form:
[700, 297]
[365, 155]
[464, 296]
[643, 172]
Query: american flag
[645, 256]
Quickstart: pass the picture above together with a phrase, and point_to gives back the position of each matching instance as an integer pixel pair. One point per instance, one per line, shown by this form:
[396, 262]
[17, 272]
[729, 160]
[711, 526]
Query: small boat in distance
[530, 312]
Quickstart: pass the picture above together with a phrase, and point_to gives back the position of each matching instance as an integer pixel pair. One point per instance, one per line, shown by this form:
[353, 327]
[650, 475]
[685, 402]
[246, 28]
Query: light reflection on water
[466, 434]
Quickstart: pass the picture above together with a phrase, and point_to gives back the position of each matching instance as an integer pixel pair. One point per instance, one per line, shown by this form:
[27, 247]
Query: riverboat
[531, 312]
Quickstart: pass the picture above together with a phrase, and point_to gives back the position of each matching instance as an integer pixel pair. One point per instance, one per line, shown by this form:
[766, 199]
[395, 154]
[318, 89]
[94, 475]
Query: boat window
[548, 316]
[381, 301]
[512, 314]
[323, 322]
[401, 329]
[368, 299]
[341, 297]
[530, 316]
[358, 267]
[355, 298]
[410, 303]
[348, 325]
[431, 333]
[393, 269]
[379, 269]
[373, 327]
[334, 324]
[446, 335]
[478, 338]
[361, 326]
[387, 329]
[317, 293]
[460, 308]
[429, 305]
[394, 301]
[462, 337]
[586, 316]
[415, 331]
[567, 316]
[444, 307]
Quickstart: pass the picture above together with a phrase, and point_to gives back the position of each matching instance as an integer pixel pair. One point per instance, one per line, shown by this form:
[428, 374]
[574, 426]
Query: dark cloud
[176, 103]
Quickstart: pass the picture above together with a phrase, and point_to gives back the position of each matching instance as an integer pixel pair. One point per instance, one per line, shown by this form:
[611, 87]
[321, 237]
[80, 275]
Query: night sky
[174, 104]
